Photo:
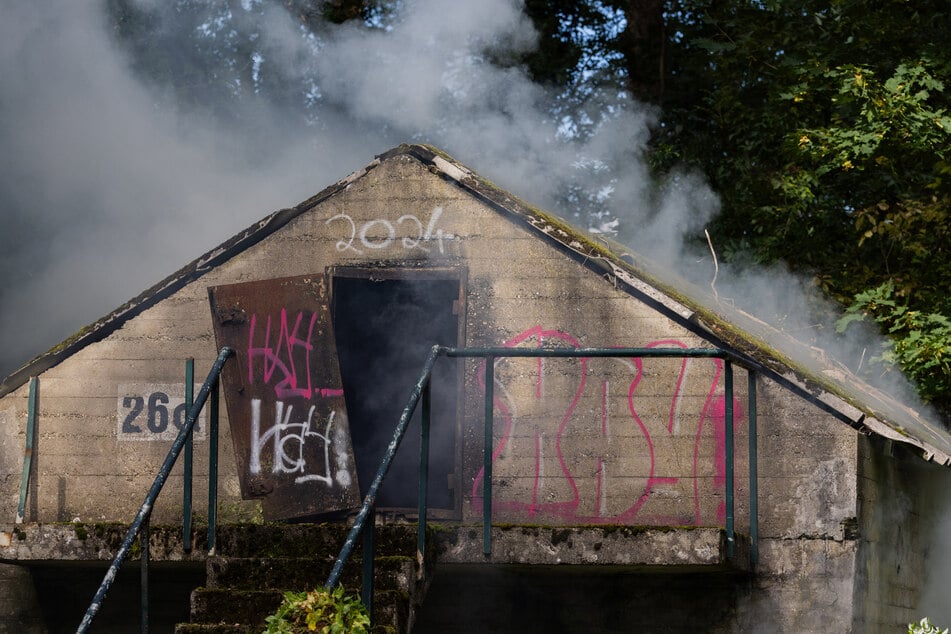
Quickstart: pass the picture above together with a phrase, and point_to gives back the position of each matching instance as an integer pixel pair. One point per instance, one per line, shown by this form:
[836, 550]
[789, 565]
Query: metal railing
[364, 523]
[420, 396]
[140, 525]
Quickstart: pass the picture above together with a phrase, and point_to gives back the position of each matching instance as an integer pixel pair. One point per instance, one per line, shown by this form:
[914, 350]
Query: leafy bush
[323, 611]
[919, 344]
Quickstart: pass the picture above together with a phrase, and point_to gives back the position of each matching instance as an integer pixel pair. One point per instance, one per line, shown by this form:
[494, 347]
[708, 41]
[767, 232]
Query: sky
[109, 182]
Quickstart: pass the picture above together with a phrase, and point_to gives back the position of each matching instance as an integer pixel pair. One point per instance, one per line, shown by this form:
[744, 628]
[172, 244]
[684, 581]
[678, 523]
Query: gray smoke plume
[111, 179]
[103, 191]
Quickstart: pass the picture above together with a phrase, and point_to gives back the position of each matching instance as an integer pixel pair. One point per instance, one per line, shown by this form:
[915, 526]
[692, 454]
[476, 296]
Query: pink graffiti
[568, 506]
[285, 365]
[288, 357]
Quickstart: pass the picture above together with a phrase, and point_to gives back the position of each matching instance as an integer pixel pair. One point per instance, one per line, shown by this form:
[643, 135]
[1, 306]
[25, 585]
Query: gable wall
[570, 446]
[900, 567]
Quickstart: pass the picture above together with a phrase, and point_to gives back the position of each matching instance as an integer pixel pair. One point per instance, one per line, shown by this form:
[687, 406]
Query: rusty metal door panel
[284, 396]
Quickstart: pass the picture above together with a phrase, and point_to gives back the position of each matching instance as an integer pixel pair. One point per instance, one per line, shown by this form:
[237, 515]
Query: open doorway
[386, 322]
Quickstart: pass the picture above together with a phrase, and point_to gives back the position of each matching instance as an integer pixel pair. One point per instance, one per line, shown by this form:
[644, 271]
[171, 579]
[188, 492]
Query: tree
[643, 42]
[825, 128]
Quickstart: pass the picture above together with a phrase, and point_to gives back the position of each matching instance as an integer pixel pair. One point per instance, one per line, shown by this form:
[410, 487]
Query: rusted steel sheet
[285, 397]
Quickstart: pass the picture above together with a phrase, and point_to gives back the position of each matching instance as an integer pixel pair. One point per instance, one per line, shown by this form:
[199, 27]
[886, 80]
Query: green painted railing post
[212, 465]
[28, 452]
[754, 468]
[487, 457]
[187, 460]
[728, 441]
[144, 540]
[426, 414]
[369, 561]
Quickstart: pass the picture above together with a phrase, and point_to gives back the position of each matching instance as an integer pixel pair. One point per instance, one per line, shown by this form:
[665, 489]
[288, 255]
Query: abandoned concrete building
[636, 486]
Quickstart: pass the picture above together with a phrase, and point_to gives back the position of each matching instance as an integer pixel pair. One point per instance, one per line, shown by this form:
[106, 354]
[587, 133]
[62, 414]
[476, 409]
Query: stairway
[255, 564]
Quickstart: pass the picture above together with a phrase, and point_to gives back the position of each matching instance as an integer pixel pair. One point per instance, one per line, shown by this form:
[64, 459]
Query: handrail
[28, 452]
[370, 500]
[146, 509]
[422, 387]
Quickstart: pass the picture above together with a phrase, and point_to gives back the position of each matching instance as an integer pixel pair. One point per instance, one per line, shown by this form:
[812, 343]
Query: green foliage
[826, 128]
[323, 611]
[806, 117]
[920, 343]
[925, 627]
[880, 162]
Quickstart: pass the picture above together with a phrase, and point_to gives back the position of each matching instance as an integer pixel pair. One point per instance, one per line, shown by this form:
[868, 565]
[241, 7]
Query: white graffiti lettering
[288, 440]
[418, 240]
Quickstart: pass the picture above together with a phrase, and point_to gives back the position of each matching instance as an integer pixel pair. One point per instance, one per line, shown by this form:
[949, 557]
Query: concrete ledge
[34, 543]
[669, 548]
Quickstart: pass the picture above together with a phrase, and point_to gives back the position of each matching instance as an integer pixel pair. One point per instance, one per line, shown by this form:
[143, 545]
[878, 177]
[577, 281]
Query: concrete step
[226, 605]
[255, 573]
[215, 628]
[255, 564]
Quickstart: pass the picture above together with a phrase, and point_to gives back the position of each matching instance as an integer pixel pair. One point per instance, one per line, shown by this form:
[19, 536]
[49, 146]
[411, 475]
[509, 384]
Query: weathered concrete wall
[595, 440]
[804, 579]
[899, 508]
[576, 441]
[803, 582]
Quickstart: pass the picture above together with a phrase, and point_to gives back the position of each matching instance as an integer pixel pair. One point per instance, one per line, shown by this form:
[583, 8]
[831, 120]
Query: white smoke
[933, 602]
[105, 192]
[108, 187]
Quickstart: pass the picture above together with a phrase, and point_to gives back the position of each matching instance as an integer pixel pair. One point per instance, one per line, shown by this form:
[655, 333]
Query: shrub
[323, 611]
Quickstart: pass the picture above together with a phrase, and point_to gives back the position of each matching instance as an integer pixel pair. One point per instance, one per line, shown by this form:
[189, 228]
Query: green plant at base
[324, 611]
[925, 627]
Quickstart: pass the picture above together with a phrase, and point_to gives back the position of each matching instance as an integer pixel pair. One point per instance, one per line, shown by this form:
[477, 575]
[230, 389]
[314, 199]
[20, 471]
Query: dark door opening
[386, 322]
